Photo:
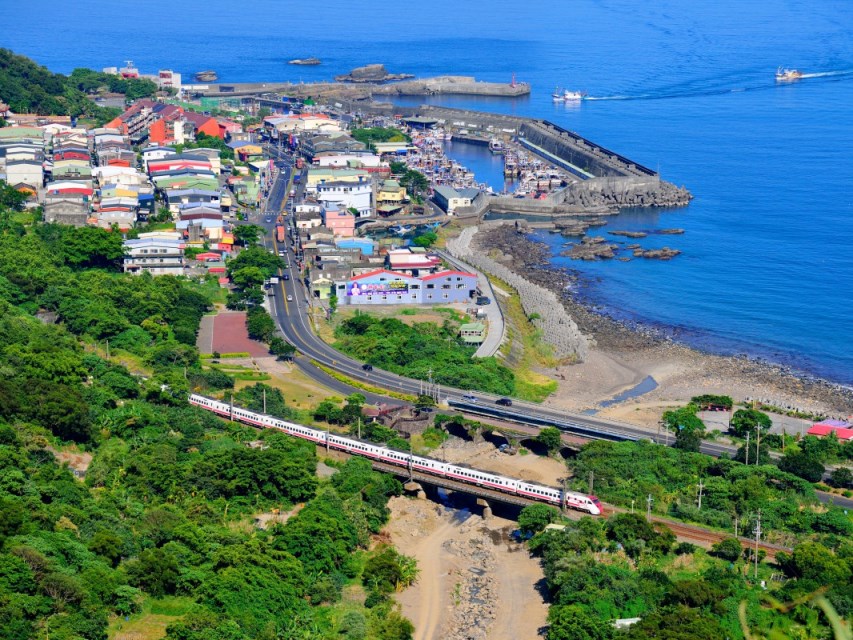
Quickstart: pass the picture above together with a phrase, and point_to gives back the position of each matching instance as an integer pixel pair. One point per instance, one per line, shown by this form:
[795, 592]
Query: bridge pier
[487, 508]
[416, 488]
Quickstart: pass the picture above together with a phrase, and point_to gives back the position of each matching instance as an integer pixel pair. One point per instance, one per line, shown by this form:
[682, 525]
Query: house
[347, 195]
[450, 199]
[473, 333]
[317, 175]
[203, 124]
[403, 260]
[156, 253]
[71, 209]
[25, 175]
[308, 216]
[390, 192]
[842, 430]
[156, 152]
[340, 221]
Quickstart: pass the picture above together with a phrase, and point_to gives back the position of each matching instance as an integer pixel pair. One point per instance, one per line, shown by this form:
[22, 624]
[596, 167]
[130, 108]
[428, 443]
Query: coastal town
[306, 278]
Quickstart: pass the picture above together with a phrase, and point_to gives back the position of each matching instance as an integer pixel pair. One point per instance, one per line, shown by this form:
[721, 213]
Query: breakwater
[541, 305]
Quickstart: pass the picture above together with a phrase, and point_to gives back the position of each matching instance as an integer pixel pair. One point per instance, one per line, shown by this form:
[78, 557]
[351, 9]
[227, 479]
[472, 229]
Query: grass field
[151, 622]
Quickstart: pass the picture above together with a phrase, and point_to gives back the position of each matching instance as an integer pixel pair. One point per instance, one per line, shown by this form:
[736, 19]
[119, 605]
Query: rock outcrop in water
[372, 73]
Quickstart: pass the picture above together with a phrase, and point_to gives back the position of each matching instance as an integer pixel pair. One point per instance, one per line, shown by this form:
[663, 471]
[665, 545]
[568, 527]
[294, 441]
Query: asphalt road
[290, 308]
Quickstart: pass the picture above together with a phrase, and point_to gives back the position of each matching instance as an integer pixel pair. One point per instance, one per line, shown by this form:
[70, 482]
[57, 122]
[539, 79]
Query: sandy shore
[623, 356]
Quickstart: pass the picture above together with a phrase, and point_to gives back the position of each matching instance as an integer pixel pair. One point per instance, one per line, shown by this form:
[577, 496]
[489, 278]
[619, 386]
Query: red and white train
[404, 459]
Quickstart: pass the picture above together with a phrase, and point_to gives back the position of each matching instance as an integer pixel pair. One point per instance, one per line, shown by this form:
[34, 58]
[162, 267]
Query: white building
[156, 253]
[346, 195]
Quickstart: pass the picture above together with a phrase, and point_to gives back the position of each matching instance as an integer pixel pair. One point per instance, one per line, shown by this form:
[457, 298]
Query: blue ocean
[681, 86]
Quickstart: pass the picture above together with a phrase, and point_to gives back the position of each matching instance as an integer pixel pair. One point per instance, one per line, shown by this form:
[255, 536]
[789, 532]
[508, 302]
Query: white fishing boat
[788, 75]
[568, 96]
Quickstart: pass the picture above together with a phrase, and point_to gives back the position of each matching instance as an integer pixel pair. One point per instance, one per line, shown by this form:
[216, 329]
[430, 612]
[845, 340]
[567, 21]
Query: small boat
[305, 61]
[787, 75]
[497, 146]
[567, 96]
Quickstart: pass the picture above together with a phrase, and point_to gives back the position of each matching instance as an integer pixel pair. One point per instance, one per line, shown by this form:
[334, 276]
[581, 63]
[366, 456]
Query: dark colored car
[504, 402]
[367, 367]
[483, 300]
[286, 277]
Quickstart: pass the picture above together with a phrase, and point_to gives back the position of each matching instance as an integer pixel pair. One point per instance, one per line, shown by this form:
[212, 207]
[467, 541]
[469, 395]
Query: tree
[333, 304]
[260, 324]
[426, 239]
[746, 420]
[281, 349]
[727, 549]
[802, 464]
[841, 477]
[248, 277]
[550, 438]
[687, 426]
[248, 234]
[535, 517]
[573, 622]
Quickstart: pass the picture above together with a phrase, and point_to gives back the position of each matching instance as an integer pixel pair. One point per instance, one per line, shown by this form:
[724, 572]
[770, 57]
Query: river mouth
[646, 385]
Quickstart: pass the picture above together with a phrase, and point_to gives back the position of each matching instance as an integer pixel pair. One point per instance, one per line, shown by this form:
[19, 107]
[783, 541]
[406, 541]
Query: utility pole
[563, 497]
[264, 391]
[591, 481]
[632, 505]
[359, 428]
[747, 448]
[649, 501]
[735, 525]
[701, 486]
[783, 441]
[757, 443]
[108, 349]
[232, 407]
[757, 536]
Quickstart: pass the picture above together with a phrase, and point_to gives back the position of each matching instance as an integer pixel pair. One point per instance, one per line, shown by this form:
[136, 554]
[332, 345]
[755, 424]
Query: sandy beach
[623, 356]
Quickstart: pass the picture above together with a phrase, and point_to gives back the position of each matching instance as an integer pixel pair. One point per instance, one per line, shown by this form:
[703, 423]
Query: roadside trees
[687, 426]
[802, 464]
[248, 234]
[746, 420]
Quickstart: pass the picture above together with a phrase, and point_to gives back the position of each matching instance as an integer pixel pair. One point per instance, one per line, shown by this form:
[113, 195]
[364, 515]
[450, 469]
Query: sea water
[682, 87]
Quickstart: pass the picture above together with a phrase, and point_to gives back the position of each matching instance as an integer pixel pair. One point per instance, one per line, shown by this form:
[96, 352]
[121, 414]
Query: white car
[290, 298]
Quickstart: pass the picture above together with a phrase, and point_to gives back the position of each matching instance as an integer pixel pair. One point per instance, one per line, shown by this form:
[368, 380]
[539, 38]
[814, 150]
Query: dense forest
[597, 571]
[157, 520]
[28, 87]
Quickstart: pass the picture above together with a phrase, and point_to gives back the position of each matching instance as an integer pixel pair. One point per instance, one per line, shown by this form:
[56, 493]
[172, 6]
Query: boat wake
[690, 93]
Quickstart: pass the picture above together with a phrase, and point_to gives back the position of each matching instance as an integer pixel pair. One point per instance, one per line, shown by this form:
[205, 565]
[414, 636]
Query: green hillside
[28, 87]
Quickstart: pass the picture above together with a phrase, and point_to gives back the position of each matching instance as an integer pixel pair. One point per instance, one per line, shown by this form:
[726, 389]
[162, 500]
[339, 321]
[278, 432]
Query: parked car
[483, 300]
[504, 402]
[367, 366]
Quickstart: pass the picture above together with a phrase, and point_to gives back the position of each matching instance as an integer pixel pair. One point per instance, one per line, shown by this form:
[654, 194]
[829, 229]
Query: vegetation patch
[421, 350]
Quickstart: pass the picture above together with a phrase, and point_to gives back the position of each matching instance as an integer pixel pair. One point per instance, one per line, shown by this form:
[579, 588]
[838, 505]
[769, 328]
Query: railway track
[700, 535]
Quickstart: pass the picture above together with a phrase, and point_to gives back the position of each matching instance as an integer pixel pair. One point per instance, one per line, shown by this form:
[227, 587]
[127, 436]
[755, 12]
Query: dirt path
[431, 607]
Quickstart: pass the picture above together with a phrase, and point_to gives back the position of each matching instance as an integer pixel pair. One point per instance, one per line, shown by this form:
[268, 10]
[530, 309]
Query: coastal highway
[290, 308]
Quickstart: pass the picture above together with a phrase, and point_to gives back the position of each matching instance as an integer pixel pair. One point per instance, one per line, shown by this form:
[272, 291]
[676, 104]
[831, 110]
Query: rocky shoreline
[514, 249]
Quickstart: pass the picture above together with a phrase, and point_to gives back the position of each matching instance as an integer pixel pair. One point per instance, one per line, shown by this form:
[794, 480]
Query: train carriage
[460, 473]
